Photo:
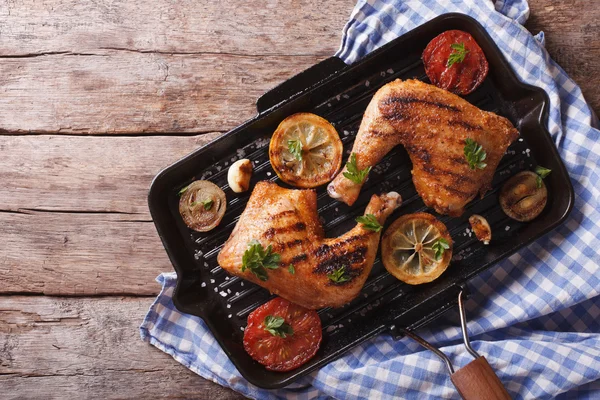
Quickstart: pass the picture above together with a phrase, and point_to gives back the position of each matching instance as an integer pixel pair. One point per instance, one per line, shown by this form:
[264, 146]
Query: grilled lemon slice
[416, 248]
[305, 150]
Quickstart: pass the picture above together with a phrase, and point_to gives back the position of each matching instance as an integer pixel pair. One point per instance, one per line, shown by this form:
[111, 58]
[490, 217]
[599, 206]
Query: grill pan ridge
[340, 94]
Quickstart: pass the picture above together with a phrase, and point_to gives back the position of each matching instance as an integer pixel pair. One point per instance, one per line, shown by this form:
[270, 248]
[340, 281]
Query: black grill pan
[340, 94]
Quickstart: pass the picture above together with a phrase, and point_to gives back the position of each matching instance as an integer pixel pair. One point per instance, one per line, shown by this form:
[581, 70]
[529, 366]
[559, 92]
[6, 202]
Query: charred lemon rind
[417, 222]
[321, 156]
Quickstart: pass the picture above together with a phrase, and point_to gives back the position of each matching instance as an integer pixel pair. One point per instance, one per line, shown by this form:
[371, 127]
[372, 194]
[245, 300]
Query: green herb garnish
[369, 222]
[339, 275]
[258, 260]
[458, 55]
[354, 174]
[541, 174]
[182, 191]
[440, 246]
[276, 326]
[206, 203]
[474, 154]
[291, 269]
[295, 147]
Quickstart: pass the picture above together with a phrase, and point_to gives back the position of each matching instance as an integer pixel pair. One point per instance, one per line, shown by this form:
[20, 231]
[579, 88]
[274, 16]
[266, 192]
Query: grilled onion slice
[521, 198]
[202, 205]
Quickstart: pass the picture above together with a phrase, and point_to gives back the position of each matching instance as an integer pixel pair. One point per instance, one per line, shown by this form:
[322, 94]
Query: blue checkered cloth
[535, 316]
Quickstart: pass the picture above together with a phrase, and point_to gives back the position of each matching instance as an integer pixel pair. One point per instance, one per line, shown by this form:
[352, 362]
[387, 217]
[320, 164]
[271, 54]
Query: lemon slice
[305, 150]
[416, 248]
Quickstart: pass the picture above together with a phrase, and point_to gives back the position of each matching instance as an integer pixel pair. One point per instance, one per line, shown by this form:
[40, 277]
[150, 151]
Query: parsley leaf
[182, 191]
[339, 275]
[542, 173]
[369, 222]
[474, 154]
[354, 174]
[458, 55]
[295, 147]
[206, 203]
[291, 269]
[440, 246]
[277, 326]
[258, 260]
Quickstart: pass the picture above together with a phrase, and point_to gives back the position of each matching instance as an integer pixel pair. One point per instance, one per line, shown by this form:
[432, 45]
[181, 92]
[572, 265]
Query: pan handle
[302, 82]
[477, 380]
[474, 381]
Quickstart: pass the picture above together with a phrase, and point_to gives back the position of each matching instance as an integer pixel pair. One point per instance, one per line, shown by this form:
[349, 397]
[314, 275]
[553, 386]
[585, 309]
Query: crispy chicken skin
[432, 124]
[287, 219]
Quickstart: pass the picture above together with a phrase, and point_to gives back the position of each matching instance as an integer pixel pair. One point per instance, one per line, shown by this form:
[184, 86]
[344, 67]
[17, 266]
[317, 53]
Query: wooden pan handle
[477, 380]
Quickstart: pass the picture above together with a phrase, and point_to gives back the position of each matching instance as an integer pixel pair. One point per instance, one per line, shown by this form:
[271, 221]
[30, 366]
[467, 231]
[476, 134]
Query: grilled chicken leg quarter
[287, 220]
[432, 124]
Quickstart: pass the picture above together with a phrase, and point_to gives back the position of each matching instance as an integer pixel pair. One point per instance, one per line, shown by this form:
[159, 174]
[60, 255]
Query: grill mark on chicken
[284, 214]
[297, 227]
[292, 244]
[458, 160]
[459, 193]
[378, 134]
[411, 100]
[458, 178]
[333, 261]
[298, 258]
[464, 124]
[324, 249]
[420, 153]
[281, 247]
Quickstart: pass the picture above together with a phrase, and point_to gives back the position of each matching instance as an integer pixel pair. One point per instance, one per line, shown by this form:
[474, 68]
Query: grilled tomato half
[455, 62]
[282, 335]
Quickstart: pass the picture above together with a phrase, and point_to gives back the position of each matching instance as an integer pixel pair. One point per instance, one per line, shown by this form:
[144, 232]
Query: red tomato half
[461, 77]
[277, 353]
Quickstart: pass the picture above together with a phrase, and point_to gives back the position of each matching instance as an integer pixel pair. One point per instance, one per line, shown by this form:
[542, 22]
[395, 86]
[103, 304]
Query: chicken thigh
[433, 125]
[287, 220]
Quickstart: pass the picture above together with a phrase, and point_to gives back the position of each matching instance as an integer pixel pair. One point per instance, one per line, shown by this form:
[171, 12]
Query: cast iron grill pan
[340, 94]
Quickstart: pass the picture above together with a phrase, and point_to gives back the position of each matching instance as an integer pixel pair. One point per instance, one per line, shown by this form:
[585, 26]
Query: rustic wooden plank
[82, 173]
[77, 348]
[79, 254]
[123, 92]
[252, 27]
[572, 29]
[124, 67]
[75, 217]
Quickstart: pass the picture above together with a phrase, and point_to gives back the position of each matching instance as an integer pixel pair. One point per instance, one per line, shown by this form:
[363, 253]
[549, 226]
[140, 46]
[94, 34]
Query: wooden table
[96, 97]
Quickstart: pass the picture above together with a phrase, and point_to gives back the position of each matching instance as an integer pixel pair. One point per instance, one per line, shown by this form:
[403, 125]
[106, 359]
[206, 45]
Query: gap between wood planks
[170, 53]
[4, 132]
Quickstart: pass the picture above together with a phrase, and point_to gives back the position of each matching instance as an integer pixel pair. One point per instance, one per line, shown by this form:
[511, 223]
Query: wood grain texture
[123, 92]
[477, 380]
[79, 254]
[75, 215]
[83, 348]
[273, 27]
[572, 29]
[86, 174]
[68, 66]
